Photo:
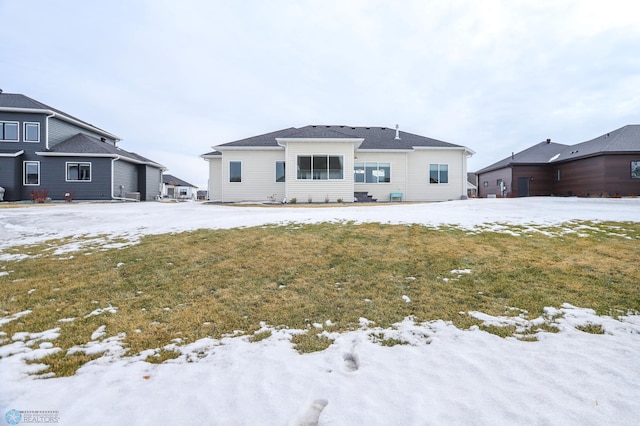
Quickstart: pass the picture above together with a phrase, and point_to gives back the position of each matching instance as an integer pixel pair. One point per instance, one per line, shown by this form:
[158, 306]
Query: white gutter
[12, 154]
[64, 118]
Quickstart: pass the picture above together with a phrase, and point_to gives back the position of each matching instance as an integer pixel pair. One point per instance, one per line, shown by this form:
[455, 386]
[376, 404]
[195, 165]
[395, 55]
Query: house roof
[88, 146]
[168, 179]
[539, 153]
[16, 101]
[375, 138]
[623, 140]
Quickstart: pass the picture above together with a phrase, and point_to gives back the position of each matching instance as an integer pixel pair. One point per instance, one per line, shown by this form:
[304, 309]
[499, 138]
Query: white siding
[319, 190]
[215, 179]
[258, 176]
[419, 188]
[381, 191]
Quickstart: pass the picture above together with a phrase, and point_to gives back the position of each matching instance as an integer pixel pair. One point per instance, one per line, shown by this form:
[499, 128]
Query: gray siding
[125, 178]
[60, 131]
[10, 177]
[150, 182]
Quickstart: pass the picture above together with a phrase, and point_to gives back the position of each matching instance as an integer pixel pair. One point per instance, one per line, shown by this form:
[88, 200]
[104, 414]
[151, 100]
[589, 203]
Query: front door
[523, 187]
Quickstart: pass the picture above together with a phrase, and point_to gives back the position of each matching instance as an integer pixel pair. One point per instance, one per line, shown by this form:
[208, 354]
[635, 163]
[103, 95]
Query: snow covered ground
[444, 375]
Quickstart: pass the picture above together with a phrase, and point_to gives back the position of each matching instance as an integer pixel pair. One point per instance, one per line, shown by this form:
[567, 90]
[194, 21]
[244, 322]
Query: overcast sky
[174, 78]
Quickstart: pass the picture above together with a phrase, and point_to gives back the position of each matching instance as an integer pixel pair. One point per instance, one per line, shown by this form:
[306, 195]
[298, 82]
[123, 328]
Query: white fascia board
[444, 148]
[12, 154]
[64, 118]
[384, 150]
[247, 148]
[355, 141]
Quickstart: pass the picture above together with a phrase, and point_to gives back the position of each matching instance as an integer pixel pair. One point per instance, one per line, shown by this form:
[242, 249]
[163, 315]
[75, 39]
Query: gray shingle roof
[172, 180]
[85, 144]
[623, 140]
[375, 138]
[16, 100]
[542, 152]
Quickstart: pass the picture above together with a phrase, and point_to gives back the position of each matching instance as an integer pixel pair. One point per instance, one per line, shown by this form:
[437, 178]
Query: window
[280, 171]
[9, 131]
[372, 172]
[485, 184]
[635, 170]
[558, 175]
[31, 132]
[438, 173]
[78, 172]
[235, 171]
[31, 173]
[320, 167]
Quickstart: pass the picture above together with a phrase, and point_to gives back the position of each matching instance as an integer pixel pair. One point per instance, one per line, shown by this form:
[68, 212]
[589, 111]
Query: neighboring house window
[9, 131]
[320, 167]
[372, 172]
[498, 182]
[31, 132]
[31, 173]
[438, 173]
[78, 172]
[635, 170]
[280, 171]
[183, 192]
[235, 171]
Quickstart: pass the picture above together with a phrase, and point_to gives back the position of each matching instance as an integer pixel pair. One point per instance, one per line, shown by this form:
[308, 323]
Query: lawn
[178, 288]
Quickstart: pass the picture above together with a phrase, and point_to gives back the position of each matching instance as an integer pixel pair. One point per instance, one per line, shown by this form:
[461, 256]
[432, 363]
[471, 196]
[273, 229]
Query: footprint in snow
[312, 415]
[350, 362]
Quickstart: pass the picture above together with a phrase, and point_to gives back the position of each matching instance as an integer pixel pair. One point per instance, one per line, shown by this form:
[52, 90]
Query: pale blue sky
[173, 78]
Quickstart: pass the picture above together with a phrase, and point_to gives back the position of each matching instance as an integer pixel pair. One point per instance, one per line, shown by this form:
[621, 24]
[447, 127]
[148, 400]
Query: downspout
[113, 197]
[46, 130]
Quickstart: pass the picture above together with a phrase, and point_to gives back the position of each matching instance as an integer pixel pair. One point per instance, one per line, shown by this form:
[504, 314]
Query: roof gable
[540, 153]
[168, 179]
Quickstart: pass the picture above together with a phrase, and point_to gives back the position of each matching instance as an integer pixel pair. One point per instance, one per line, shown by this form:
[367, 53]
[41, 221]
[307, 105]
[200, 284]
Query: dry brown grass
[213, 282]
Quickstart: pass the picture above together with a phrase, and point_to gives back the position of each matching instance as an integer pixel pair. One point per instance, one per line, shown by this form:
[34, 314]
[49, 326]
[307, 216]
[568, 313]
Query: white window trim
[241, 171]
[378, 166]
[321, 155]
[24, 173]
[18, 135]
[439, 183]
[24, 131]
[66, 171]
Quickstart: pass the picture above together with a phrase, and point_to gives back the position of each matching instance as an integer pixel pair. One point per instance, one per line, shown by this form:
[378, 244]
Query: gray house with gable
[45, 152]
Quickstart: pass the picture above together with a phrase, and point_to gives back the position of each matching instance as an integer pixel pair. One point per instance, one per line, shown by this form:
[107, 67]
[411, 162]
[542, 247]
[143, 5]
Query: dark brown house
[607, 166]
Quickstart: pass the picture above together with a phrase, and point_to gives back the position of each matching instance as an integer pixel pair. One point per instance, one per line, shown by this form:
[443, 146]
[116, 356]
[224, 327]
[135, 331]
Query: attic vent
[103, 139]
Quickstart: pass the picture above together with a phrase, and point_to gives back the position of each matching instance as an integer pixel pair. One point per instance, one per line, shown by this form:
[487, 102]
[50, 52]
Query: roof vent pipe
[548, 140]
[397, 132]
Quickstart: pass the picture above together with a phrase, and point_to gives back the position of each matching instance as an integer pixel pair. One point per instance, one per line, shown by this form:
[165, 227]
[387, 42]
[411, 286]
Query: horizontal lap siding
[53, 175]
[125, 178]
[215, 179]
[419, 188]
[382, 191]
[491, 179]
[258, 176]
[605, 175]
[540, 179]
[319, 190]
[60, 131]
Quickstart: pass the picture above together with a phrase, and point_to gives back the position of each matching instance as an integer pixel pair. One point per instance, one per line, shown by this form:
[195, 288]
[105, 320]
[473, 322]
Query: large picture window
[235, 171]
[9, 131]
[320, 167]
[280, 171]
[438, 173]
[78, 172]
[31, 174]
[372, 172]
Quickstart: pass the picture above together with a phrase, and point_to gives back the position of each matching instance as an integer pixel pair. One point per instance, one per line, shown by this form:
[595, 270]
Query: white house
[337, 163]
[176, 188]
